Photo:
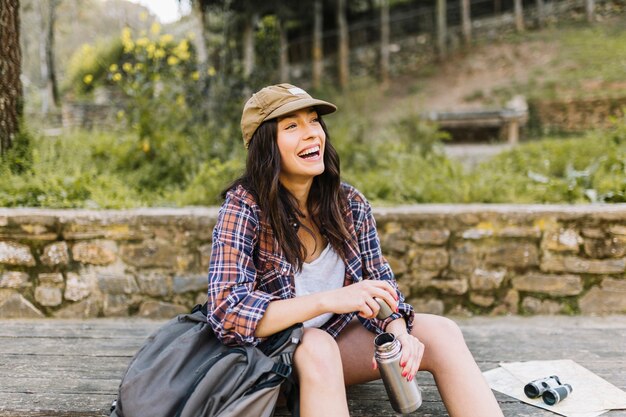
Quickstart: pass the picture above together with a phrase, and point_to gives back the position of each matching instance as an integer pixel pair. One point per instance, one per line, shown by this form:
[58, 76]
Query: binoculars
[549, 388]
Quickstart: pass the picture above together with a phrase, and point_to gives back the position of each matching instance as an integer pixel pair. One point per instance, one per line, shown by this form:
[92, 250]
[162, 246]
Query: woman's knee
[317, 357]
[442, 339]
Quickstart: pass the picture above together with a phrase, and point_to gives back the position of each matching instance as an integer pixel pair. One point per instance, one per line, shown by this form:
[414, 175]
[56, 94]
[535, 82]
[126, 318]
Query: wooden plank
[72, 368]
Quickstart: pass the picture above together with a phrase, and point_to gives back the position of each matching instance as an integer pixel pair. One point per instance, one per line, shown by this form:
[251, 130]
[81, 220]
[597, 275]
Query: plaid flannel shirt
[248, 270]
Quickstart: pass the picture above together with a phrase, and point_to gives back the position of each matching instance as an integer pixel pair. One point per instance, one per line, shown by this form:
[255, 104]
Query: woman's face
[301, 141]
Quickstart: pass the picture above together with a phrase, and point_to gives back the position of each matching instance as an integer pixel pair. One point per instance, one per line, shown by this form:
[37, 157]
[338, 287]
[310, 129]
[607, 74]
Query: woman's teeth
[310, 153]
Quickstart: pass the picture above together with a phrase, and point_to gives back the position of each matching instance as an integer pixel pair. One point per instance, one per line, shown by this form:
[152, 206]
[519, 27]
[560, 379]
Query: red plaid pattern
[248, 270]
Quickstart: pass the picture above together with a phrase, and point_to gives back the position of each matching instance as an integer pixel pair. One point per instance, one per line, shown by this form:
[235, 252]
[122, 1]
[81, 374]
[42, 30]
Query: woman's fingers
[412, 353]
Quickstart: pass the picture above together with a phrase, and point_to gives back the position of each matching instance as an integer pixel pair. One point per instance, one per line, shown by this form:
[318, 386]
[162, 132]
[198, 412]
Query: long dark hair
[326, 202]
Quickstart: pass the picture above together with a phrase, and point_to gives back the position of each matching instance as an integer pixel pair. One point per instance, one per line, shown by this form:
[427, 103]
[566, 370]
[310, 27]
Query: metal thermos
[404, 396]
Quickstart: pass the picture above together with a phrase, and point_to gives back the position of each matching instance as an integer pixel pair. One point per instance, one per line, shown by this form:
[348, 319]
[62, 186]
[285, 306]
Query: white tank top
[327, 272]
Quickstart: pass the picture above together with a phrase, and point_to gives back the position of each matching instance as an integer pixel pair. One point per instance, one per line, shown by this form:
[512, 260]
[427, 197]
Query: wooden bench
[506, 122]
[72, 368]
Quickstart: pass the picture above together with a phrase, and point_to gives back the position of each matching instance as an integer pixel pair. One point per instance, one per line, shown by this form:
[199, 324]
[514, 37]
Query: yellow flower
[159, 53]
[180, 100]
[150, 49]
[113, 68]
[165, 39]
[172, 60]
[155, 28]
[143, 42]
[87, 79]
[138, 66]
[145, 146]
[121, 114]
[128, 67]
[195, 75]
[211, 71]
[127, 40]
[143, 16]
[117, 77]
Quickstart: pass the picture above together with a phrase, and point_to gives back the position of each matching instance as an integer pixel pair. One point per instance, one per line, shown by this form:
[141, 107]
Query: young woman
[293, 244]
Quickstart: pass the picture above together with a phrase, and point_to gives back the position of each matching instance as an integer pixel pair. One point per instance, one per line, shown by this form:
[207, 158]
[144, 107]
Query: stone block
[593, 233]
[55, 254]
[430, 236]
[434, 259]
[150, 253]
[77, 286]
[12, 253]
[617, 229]
[464, 259]
[54, 279]
[114, 284]
[160, 310]
[432, 306]
[14, 279]
[535, 306]
[36, 231]
[398, 266]
[205, 255]
[459, 311]
[557, 285]
[577, 265]
[533, 232]
[451, 286]
[96, 230]
[610, 298]
[201, 298]
[14, 306]
[155, 283]
[477, 233]
[187, 283]
[510, 304]
[116, 305]
[94, 253]
[482, 300]
[185, 262]
[614, 247]
[394, 243]
[513, 255]
[417, 280]
[485, 279]
[562, 241]
[48, 296]
[85, 309]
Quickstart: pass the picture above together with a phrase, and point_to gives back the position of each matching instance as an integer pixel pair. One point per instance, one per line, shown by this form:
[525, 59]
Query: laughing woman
[293, 244]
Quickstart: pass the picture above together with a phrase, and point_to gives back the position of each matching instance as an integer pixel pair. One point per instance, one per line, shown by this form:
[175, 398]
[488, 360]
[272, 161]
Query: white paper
[591, 395]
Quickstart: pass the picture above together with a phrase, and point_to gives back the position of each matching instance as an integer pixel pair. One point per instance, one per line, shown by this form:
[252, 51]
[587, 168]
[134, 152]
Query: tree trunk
[284, 52]
[49, 89]
[466, 19]
[384, 43]
[318, 55]
[541, 17]
[11, 99]
[200, 27]
[248, 45]
[344, 50]
[590, 9]
[519, 16]
[441, 29]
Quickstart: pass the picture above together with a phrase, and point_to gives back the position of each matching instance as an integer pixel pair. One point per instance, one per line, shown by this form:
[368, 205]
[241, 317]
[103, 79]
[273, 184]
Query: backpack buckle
[282, 369]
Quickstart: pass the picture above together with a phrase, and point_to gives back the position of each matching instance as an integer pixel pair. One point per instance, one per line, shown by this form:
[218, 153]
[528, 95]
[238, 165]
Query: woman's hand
[360, 296]
[412, 353]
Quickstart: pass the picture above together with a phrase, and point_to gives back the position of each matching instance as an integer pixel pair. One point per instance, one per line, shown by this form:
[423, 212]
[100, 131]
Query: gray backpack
[183, 370]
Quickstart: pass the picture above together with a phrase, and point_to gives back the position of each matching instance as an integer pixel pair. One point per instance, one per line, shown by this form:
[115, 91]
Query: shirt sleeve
[375, 266]
[235, 307]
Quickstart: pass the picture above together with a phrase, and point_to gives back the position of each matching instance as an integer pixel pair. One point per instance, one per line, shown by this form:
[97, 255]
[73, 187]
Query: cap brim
[322, 107]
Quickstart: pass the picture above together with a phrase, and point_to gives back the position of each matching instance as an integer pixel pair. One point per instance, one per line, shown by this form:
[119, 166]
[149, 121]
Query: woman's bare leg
[463, 389]
[318, 367]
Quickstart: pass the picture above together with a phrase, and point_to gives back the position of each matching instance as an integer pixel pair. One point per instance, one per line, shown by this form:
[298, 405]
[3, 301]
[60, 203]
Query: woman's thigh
[441, 338]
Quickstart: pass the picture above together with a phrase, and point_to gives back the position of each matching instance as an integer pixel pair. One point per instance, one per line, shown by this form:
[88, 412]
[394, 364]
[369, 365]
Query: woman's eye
[290, 126]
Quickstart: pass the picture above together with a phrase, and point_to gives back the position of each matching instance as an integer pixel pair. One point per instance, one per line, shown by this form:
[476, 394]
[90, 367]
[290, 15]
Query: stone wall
[475, 259]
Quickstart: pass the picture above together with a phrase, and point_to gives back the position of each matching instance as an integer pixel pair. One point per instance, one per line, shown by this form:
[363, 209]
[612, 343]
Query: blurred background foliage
[176, 138]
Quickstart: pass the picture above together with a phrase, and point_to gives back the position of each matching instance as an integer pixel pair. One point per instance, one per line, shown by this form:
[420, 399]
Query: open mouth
[310, 153]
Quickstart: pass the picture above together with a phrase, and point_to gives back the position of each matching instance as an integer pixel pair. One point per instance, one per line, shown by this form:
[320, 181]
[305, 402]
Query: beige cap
[275, 101]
